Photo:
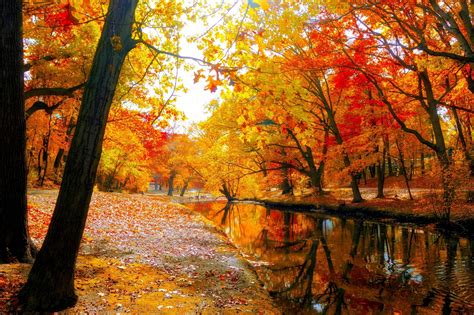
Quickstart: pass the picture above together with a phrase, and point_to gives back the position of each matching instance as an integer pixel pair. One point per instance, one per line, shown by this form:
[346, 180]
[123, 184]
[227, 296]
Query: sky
[193, 103]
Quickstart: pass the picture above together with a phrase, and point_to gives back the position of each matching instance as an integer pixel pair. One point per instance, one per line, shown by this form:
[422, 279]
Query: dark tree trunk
[422, 162]
[372, 170]
[286, 188]
[390, 166]
[381, 175]
[183, 190]
[50, 285]
[356, 195]
[404, 172]
[45, 153]
[462, 139]
[227, 192]
[14, 239]
[60, 154]
[412, 169]
[171, 183]
[314, 173]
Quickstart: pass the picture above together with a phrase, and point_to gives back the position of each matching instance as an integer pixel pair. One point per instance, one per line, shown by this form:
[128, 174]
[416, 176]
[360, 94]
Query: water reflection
[314, 263]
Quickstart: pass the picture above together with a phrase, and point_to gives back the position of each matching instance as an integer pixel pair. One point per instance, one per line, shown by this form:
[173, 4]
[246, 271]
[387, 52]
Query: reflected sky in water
[317, 264]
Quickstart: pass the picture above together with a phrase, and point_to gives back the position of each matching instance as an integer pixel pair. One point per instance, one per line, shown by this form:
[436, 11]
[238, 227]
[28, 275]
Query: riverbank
[425, 209]
[141, 254]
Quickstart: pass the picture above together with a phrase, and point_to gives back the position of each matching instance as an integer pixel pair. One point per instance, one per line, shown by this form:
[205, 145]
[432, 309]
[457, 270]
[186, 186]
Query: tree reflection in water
[318, 264]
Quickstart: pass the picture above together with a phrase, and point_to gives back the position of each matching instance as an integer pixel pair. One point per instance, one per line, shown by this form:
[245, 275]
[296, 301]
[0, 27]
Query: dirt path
[143, 255]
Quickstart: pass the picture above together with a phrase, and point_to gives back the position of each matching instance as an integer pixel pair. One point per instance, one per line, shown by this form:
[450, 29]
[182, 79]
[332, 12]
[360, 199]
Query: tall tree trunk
[356, 195]
[171, 183]
[183, 190]
[422, 162]
[372, 170]
[403, 169]
[441, 152]
[14, 239]
[50, 285]
[462, 139]
[314, 173]
[381, 174]
[285, 185]
[60, 154]
[390, 166]
[227, 192]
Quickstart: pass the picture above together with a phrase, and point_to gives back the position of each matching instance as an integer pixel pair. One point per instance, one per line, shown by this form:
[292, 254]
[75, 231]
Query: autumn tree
[435, 80]
[50, 284]
[14, 239]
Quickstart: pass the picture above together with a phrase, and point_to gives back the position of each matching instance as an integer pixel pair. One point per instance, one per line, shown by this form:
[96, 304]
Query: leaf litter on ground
[141, 254]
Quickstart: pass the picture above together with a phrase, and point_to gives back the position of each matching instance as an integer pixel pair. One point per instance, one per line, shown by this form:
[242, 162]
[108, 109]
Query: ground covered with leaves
[141, 254]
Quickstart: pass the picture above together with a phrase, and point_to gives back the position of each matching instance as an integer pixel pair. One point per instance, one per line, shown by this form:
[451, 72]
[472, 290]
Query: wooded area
[354, 105]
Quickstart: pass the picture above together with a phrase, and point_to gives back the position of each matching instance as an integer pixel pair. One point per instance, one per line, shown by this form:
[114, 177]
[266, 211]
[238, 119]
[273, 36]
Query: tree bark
[226, 192]
[183, 190]
[60, 154]
[462, 139]
[171, 183]
[285, 185]
[356, 195]
[50, 285]
[381, 175]
[403, 168]
[422, 162]
[15, 243]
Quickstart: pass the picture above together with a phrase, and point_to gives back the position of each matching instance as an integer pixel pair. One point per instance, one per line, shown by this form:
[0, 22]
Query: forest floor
[142, 254]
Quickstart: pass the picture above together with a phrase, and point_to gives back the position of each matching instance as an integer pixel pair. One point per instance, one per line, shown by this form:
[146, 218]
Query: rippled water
[315, 264]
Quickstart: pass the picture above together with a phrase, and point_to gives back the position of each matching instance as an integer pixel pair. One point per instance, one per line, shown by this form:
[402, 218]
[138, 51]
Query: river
[315, 264]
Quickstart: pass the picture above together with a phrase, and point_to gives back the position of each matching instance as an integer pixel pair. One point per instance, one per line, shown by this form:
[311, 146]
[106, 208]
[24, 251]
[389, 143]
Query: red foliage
[61, 18]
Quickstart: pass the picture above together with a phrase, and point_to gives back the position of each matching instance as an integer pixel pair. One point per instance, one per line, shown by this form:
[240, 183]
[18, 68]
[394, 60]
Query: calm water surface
[316, 264]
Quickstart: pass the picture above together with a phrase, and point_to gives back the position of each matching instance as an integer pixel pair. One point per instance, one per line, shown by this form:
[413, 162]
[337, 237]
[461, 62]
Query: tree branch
[53, 91]
[39, 105]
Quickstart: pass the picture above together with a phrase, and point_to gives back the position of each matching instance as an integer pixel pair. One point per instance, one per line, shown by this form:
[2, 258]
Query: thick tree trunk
[356, 195]
[50, 285]
[315, 173]
[226, 192]
[312, 172]
[14, 239]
